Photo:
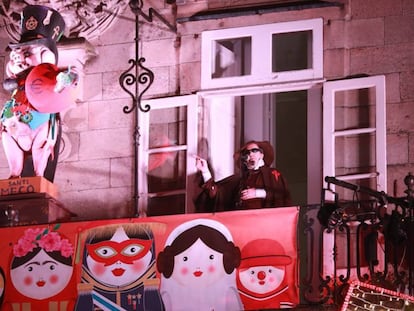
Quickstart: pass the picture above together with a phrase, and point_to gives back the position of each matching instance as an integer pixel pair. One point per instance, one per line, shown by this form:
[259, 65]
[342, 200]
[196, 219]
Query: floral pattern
[50, 241]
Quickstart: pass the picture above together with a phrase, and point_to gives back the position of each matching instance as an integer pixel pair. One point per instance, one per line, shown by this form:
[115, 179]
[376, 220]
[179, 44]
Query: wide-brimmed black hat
[40, 25]
[266, 148]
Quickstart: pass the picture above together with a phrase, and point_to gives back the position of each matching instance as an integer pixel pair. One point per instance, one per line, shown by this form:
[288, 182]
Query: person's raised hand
[201, 164]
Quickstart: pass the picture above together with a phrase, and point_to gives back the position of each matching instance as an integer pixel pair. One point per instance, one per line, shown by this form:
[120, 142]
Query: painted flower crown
[50, 241]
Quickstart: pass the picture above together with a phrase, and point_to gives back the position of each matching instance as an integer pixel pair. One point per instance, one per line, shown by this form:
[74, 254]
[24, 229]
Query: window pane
[168, 205]
[355, 154]
[232, 58]
[355, 109]
[166, 171]
[292, 51]
[168, 127]
[280, 118]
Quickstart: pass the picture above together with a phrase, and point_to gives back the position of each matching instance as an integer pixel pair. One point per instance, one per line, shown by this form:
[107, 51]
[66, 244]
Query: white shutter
[366, 103]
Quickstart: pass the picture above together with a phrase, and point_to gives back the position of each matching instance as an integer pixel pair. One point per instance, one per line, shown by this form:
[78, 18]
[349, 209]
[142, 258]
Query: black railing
[370, 241]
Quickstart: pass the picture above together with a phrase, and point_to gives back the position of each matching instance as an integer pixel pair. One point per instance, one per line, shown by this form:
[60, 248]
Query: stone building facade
[96, 171]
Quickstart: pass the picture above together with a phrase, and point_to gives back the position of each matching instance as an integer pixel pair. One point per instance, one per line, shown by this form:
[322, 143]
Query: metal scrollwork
[136, 81]
[143, 76]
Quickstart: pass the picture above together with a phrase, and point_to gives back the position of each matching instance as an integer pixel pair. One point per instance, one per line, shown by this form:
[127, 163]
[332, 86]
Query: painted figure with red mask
[118, 270]
[39, 91]
[257, 186]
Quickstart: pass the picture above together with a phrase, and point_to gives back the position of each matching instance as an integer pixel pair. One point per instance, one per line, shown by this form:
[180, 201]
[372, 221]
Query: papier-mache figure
[40, 90]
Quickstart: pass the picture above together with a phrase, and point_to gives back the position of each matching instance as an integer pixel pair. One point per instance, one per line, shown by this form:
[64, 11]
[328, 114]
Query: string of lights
[363, 296]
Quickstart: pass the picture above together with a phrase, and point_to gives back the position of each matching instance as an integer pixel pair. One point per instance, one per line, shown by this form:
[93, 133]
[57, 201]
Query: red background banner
[242, 260]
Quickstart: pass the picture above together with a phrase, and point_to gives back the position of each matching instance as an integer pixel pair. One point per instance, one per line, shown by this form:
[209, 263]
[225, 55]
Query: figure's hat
[266, 148]
[40, 25]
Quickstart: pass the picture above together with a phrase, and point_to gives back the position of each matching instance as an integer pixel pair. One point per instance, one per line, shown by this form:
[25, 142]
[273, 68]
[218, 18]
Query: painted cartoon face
[20, 59]
[24, 57]
[198, 265]
[262, 279]
[41, 277]
[119, 261]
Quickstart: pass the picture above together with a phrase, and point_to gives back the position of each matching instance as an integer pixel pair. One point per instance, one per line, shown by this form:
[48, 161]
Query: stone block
[111, 58]
[375, 8]
[190, 77]
[159, 53]
[190, 49]
[400, 118]
[100, 203]
[157, 29]
[399, 29]
[69, 149]
[397, 148]
[75, 119]
[111, 88]
[161, 84]
[392, 85]
[71, 175]
[408, 7]
[407, 85]
[334, 35]
[334, 65]
[109, 114]
[109, 143]
[365, 32]
[411, 148]
[92, 87]
[382, 59]
[122, 172]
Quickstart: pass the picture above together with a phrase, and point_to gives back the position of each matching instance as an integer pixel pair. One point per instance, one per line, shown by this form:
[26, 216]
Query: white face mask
[259, 164]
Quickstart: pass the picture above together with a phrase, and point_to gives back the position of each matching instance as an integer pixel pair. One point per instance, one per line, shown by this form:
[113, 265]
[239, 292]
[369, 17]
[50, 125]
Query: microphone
[244, 158]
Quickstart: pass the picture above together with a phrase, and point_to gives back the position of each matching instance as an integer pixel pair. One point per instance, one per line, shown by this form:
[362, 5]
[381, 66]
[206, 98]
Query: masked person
[257, 186]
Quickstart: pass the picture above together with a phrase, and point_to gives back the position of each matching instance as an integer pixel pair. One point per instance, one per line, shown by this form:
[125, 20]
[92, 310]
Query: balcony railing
[369, 241]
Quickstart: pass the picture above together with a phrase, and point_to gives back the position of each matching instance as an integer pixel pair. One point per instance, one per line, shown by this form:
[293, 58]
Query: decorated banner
[243, 260]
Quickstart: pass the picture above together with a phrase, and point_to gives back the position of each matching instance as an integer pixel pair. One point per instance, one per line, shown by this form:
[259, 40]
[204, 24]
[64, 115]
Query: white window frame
[248, 85]
[190, 101]
[330, 135]
[329, 138]
[261, 36]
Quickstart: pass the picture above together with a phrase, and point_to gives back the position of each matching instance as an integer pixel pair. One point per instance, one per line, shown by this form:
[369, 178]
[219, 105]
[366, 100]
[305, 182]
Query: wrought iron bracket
[137, 74]
[136, 8]
[130, 81]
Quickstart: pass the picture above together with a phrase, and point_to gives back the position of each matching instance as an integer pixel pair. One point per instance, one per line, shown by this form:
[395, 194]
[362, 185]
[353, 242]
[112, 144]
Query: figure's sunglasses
[247, 152]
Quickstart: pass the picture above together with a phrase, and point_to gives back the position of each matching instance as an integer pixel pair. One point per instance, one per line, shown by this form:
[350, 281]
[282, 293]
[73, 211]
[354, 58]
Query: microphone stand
[380, 195]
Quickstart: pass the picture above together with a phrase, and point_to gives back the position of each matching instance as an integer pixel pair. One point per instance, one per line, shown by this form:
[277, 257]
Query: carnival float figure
[40, 91]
